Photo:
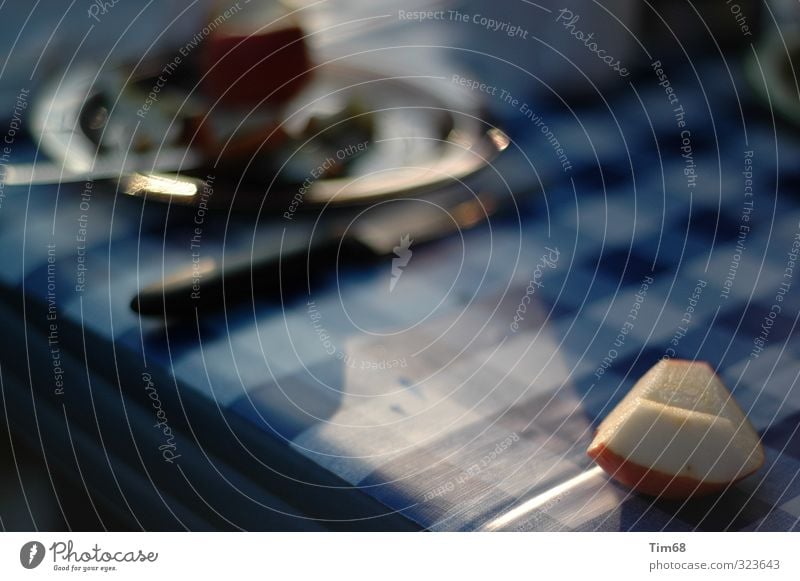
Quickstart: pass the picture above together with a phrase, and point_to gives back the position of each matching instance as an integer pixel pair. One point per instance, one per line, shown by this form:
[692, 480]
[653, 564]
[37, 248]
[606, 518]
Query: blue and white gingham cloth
[426, 397]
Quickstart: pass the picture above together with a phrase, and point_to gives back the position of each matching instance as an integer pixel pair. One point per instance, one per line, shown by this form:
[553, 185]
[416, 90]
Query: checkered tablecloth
[465, 397]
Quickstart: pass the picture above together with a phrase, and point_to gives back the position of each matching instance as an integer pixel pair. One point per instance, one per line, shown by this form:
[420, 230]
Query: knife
[267, 272]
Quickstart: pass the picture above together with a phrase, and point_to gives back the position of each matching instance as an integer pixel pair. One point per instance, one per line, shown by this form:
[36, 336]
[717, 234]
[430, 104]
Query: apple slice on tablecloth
[678, 433]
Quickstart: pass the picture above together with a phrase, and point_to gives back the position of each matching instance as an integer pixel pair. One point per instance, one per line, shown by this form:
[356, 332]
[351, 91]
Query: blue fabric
[426, 397]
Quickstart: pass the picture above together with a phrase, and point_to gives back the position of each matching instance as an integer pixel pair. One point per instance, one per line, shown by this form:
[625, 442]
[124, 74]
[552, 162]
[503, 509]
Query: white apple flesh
[677, 434]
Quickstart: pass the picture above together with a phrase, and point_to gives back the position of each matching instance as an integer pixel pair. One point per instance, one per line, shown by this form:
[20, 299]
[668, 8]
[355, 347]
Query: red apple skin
[653, 482]
[245, 69]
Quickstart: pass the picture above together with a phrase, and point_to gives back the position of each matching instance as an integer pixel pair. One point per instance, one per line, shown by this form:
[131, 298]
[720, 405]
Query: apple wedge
[677, 434]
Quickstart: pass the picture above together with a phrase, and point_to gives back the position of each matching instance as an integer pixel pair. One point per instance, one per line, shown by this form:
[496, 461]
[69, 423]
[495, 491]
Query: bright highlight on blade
[140, 184]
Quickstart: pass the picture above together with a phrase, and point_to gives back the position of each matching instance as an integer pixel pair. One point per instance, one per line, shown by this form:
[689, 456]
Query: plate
[425, 134]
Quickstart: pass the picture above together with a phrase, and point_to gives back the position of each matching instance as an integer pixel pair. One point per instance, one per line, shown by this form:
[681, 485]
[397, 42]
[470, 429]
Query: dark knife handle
[210, 286]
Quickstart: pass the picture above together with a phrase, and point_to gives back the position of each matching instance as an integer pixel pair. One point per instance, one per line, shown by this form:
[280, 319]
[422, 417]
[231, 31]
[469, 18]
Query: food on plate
[677, 434]
[256, 55]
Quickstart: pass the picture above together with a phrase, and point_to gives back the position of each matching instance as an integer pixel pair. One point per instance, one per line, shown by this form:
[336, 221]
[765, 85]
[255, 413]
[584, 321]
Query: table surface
[427, 396]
